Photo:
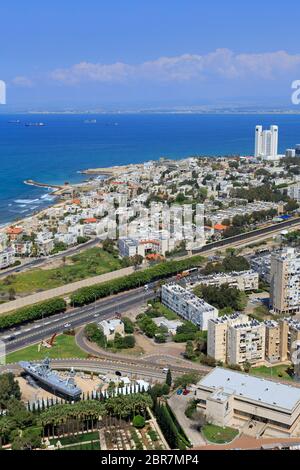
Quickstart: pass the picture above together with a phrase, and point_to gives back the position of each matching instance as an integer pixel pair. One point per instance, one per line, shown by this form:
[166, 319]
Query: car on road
[96, 315]
[67, 325]
[186, 392]
[179, 391]
[165, 370]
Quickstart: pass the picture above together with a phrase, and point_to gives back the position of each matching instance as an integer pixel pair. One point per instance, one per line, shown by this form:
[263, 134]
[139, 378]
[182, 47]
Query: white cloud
[22, 81]
[222, 63]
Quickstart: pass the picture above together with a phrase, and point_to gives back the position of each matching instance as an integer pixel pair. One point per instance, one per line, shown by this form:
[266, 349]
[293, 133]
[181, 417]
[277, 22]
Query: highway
[255, 234]
[150, 368]
[32, 333]
[105, 308]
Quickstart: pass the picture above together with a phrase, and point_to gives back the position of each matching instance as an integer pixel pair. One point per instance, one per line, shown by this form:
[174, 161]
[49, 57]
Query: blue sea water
[66, 144]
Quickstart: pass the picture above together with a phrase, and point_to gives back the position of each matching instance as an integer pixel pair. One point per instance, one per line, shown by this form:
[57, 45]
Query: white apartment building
[3, 241]
[7, 258]
[188, 305]
[217, 335]
[246, 343]
[294, 192]
[66, 238]
[244, 281]
[285, 282]
[128, 247]
[22, 248]
[45, 243]
[266, 143]
[236, 340]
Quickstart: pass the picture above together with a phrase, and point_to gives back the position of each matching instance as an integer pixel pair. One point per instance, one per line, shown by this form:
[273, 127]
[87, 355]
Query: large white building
[266, 143]
[188, 305]
[285, 282]
[230, 398]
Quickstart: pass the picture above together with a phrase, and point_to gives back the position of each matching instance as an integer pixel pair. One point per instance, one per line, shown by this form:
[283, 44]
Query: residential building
[22, 248]
[217, 335]
[230, 398]
[294, 192]
[111, 327]
[45, 243]
[14, 233]
[266, 143]
[187, 305]
[272, 341]
[7, 258]
[244, 281]
[170, 325]
[128, 247]
[285, 282]
[246, 343]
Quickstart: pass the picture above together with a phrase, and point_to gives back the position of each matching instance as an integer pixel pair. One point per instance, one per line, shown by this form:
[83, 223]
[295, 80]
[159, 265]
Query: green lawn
[64, 347]
[219, 435]
[77, 439]
[165, 311]
[276, 371]
[89, 263]
[90, 446]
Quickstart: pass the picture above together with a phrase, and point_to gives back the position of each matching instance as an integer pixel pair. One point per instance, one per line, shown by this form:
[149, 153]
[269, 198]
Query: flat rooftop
[267, 392]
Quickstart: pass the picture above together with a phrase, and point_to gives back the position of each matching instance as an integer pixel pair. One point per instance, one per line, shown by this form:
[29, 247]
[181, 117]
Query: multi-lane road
[150, 367]
[19, 337]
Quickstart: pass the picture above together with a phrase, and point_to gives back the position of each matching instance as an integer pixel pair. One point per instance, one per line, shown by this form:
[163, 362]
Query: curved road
[162, 359]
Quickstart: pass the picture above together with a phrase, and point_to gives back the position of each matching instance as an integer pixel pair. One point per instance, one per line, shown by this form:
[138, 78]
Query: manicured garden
[218, 435]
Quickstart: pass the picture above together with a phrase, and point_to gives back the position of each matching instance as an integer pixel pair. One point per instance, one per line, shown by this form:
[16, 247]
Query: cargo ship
[46, 378]
[34, 124]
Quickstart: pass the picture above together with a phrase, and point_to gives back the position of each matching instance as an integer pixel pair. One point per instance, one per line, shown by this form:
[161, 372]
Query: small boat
[17, 121]
[90, 121]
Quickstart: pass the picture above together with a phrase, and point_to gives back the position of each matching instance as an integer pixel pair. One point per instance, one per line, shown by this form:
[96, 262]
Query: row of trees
[33, 312]
[88, 295]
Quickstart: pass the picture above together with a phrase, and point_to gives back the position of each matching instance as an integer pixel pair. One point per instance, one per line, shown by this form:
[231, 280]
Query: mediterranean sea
[54, 153]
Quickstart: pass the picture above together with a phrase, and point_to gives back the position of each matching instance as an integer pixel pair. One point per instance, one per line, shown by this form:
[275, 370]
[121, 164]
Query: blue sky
[131, 53]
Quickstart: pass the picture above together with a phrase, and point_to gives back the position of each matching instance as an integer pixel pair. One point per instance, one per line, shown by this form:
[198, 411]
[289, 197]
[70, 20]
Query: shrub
[139, 421]
[128, 325]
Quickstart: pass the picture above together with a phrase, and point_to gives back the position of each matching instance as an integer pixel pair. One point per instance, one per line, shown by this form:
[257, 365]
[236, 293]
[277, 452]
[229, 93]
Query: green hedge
[87, 295]
[33, 312]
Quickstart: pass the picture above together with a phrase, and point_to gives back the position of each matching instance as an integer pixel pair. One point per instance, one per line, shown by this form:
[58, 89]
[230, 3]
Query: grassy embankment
[89, 263]
[64, 348]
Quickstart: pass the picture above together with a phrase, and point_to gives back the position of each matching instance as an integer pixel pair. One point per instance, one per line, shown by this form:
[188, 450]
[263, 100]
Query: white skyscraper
[266, 143]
